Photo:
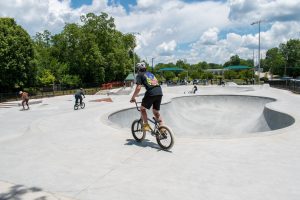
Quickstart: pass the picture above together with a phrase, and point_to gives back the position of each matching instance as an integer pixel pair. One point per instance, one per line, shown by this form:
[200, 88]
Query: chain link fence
[286, 84]
[34, 94]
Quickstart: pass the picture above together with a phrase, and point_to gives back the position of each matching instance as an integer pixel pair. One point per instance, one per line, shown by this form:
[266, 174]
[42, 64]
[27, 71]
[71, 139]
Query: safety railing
[286, 84]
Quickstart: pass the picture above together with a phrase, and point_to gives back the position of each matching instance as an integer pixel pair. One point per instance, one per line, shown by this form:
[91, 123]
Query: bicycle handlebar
[136, 105]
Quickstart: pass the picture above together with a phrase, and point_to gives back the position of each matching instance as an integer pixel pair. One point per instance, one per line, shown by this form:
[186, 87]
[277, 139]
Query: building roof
[171, 69]
[130, 77]
[237, 67]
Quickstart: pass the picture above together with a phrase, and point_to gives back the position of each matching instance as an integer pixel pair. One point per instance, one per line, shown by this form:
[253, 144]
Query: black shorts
[148, 101]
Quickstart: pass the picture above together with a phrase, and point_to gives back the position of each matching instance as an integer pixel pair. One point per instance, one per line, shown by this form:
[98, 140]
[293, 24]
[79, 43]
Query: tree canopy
[94, 52]
[16, 55]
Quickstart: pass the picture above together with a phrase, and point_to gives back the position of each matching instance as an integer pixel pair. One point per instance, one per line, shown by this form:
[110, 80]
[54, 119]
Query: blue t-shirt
[150, 83]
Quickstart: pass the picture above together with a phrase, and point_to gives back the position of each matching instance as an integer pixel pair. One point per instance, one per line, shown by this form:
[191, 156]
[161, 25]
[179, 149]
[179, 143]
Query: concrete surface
[212, 116]
[54, 152]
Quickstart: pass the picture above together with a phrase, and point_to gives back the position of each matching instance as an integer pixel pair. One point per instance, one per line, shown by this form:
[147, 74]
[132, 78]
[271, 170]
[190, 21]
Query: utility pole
[286, 55]
[152, 65]
[253, 75]
[258, 22]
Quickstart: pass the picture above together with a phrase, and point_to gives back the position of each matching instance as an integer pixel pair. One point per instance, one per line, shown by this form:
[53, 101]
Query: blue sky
[169, 30]
[79, 3]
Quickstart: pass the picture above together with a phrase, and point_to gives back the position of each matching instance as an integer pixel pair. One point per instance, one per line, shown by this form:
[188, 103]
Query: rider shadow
[145, 143]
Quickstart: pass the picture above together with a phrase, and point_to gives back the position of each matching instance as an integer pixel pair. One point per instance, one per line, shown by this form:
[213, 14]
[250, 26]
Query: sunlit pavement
[54, 152]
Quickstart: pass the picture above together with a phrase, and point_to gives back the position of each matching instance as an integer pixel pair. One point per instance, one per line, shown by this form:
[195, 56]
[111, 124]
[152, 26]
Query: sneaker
[146, 127]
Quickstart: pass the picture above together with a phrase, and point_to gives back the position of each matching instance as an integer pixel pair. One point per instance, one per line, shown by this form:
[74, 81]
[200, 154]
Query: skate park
[232, 142]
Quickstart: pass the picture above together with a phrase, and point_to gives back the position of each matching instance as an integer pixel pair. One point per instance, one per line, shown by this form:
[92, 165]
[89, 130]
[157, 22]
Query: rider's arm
[136, 92]
[82, 94]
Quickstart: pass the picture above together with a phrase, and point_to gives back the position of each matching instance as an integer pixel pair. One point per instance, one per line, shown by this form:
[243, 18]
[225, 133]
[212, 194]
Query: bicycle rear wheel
[165, 138]
[76, 106]
[136, 130]
[82, 105]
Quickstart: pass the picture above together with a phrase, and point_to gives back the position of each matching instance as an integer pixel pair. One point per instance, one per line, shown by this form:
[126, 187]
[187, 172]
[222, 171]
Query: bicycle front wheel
[165, 138]
[82, 105]
[136, 130]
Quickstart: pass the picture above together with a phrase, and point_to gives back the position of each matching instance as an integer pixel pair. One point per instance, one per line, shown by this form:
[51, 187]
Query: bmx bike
[77, 105]
[163, 133]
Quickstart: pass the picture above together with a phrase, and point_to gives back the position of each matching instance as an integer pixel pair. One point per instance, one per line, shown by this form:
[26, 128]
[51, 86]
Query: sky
[169, 30]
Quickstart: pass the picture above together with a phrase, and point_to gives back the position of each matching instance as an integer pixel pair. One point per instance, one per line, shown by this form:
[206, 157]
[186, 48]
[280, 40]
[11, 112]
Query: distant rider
[25, 99]
[195, 89]
[78, 95]
[152, 97]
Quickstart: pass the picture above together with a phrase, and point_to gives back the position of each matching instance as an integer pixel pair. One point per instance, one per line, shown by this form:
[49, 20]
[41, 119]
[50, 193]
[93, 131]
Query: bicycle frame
[154, 121]
[162, 133]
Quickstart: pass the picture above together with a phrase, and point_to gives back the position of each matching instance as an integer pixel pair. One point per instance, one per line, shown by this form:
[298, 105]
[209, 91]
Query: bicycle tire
[76, 106]
[165, 137]
[82, 106]
[136, 130]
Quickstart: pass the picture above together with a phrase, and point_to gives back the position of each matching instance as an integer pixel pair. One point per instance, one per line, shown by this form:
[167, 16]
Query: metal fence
[288, 84]
[4, 97]
[59, 89]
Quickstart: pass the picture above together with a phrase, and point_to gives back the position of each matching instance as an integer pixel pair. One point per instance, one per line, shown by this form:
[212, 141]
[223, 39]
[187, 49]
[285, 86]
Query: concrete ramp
[215, 116]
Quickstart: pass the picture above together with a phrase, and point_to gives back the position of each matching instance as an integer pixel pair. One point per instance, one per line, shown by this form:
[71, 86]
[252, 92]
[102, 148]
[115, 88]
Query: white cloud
[270, 10]
[172, 20]
[166, 48]
[210, 36]
[209, 31]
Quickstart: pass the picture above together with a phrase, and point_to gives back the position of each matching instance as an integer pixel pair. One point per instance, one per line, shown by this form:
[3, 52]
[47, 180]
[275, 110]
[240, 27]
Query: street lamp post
[253, 79]
[152, 65]
[133, 65]
[285, 64]
[258, 22]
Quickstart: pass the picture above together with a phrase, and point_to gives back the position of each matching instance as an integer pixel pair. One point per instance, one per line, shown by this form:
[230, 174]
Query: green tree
[291, 53]
[95, 51]
[16, 56]
[70, 80]
[46, 78]
[230, 74]
[169, 75]
[246, 74]
[274, 61]
[234, 60]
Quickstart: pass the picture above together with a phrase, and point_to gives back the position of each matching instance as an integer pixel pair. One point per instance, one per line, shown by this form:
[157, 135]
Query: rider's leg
[156, 108]
[80, 100]
[146, 126]
[23, 104]
[157, 116]
[27, 103]
[144, 114]
[76, 99]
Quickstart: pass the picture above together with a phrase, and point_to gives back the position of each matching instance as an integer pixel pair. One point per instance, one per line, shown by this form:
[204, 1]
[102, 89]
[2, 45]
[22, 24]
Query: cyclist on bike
[152, 97]
[78, 95]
